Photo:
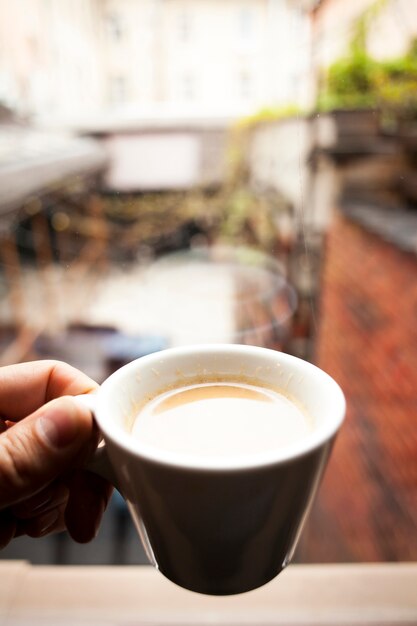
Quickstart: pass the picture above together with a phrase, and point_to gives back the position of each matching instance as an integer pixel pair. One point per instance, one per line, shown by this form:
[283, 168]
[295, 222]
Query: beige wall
[218, 56]
[48, 55]
[74, 57]
[245, 52]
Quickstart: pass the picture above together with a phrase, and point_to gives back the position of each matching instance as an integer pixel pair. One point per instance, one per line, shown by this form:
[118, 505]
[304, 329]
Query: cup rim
[122, 439]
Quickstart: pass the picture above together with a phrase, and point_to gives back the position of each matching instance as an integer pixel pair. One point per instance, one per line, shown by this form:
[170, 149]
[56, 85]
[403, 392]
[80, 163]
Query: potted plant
[350, 90]
[351, 95]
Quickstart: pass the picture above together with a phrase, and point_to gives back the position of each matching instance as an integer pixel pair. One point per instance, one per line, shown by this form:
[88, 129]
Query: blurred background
[182, 171]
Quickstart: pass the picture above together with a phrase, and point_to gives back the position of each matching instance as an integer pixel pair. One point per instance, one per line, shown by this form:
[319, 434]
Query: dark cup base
[211, 590]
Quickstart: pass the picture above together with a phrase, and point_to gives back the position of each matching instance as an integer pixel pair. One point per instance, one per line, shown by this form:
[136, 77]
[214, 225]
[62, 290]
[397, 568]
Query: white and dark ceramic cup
[217, 526]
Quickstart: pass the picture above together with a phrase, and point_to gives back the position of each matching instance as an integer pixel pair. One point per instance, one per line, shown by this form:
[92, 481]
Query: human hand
[45, 443]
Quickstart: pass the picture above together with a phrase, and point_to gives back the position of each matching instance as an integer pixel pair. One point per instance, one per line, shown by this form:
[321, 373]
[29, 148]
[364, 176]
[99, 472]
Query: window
[245, 86]
[118, 89]
[296, 231]
[114, 27]
[188, 86]
[246, 23]
[184, 26]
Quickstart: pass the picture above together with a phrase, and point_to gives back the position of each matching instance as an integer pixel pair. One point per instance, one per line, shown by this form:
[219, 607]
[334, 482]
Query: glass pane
[244, 172]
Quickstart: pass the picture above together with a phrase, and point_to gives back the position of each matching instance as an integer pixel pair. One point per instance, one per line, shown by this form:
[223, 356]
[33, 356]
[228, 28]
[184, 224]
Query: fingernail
[58, 425]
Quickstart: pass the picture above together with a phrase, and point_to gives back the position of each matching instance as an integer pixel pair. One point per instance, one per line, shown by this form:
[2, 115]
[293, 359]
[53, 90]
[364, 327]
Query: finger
[7, 528]
[49, 522]
[47, 444]
[27, 386]
[88, 499]
[46, 500]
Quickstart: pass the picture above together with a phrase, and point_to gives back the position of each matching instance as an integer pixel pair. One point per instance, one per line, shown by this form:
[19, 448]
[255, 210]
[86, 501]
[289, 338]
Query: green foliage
[397, 85]
[358, 81]
[362, 26]
[269, 114]
[351, 83]
[239, 139]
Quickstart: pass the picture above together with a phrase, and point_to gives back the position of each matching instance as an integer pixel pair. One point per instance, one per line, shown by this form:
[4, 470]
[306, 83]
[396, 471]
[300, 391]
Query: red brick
[367, 339]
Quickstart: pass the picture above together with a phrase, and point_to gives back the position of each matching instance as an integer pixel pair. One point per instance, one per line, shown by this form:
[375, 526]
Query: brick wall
[367, 340]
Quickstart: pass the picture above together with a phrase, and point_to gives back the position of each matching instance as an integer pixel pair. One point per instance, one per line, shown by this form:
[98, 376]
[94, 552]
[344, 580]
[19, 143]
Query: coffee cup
[224, 525]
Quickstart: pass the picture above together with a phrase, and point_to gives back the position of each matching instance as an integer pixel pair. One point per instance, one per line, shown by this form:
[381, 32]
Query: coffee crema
[221, 419]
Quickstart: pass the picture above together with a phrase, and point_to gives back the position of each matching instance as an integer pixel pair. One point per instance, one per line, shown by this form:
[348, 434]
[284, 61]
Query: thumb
[39, 448]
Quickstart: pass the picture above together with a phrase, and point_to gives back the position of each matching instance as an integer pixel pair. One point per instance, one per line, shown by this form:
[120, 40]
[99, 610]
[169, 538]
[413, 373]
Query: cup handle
[99, 463]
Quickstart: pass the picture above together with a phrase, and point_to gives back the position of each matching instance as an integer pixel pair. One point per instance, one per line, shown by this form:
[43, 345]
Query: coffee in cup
[221, 419]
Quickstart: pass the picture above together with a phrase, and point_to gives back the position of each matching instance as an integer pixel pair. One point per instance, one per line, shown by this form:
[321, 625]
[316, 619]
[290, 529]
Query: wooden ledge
[341, 595]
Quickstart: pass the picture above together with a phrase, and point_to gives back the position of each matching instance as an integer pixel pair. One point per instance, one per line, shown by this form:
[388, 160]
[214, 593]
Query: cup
[215, 526]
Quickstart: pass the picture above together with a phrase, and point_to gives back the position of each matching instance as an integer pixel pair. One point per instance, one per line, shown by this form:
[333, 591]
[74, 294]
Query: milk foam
[221, 420]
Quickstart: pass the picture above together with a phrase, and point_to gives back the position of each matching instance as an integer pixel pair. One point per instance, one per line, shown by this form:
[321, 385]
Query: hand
[45, 443]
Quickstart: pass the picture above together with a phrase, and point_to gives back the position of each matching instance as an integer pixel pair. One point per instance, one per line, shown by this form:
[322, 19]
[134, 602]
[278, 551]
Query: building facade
[62, 58]
[49, 60]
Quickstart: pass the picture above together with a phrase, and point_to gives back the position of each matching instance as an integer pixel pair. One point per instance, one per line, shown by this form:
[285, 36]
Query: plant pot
[356, 123]
[408, 188]
[407, 134]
